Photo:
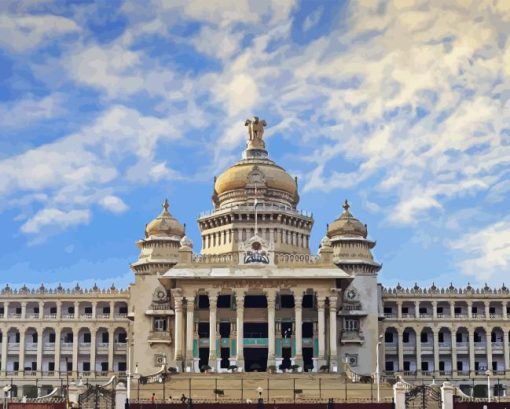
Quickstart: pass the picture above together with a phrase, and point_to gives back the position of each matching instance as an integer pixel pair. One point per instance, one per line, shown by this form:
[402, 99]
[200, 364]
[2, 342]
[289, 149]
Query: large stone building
[255, 298]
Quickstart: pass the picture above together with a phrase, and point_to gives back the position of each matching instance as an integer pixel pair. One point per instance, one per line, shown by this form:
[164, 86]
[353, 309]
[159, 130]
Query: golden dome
[347, 225]
[238, 176]
[255, 171]
[165, 225]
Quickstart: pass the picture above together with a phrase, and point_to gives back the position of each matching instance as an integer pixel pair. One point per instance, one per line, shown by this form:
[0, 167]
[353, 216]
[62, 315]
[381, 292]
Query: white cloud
[23, 112]
[486, 252]
[21, 33]
[312, 19]
[55, 217]
[114, 204]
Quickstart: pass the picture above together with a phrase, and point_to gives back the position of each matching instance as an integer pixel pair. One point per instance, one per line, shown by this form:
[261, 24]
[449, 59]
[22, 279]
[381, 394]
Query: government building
[255, 298]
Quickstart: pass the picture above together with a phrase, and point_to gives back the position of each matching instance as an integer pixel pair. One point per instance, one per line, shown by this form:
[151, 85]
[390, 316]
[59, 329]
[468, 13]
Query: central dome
[255, 176]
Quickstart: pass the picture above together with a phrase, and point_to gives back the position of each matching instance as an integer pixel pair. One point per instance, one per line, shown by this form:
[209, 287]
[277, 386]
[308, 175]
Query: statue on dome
[255, 132]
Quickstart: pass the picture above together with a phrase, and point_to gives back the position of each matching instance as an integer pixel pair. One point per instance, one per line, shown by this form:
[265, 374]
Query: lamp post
[488, 373]
[128, 391]
[377, 367]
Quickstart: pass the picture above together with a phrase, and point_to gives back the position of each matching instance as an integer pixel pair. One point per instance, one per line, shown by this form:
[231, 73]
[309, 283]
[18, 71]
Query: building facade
[255, 298]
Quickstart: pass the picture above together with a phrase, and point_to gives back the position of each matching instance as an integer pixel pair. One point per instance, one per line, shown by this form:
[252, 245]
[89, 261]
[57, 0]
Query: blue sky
[402, 107]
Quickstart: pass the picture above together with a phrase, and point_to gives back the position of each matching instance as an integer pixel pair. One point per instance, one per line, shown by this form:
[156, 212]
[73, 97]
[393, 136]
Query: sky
[109, 107]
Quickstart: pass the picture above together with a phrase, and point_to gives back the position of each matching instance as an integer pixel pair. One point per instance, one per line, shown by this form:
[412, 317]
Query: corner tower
[255, 196]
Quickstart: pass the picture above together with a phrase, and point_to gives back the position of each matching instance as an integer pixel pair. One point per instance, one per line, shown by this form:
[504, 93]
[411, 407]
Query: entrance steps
[285, 387]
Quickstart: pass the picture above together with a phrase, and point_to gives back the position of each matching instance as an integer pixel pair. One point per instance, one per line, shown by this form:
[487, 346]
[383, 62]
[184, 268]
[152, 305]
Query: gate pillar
[74, 391]
[447, 394]
[399, 395]
[120, 396]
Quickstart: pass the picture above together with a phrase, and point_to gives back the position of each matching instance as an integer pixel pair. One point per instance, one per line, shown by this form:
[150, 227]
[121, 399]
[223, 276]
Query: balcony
[160, 337]
[86, 316]
[50, 316]
[32, 315]
[31, 346]
[352, 337]
[13, 347]
[390, 316]
[102, 347]
[66, 346]
[425, 316]
[68, 316]
[352, 310]
[103, 316]
[160, 309]
[460, 316]
[478, 316]
[48, 347]
[14, 315]
[84, 346]
[120, 346]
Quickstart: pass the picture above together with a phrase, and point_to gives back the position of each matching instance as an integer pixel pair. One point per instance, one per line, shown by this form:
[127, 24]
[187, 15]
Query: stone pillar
[488, 348]
[23, 310]
[213, 300]
[93, 342]
[418, 351]
[452, 309]
[447, 394]
[435, 332]
[506, 350]
[5, 341]
[240, 329]
[399, 310]
[487, 310]
[120, 396]
[111, 343]
[400, 346]
[190, 326]
[41, 310]
[399, 395]
[470, 309]
[503, 310]
[39, 350]
[59, 310]
[76, 309]
[321, 328]
[94, 309]
[471, 350]
[298, 310]
[454, 350]
[271, 303]
[112, 310]
[22, 349]
[434, 309]
[333, 334]
[57, 350]
[178, 330]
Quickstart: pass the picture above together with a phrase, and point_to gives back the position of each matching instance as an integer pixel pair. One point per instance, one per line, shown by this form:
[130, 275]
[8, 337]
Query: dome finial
[346, 205]
[255, 133]
[166, 205]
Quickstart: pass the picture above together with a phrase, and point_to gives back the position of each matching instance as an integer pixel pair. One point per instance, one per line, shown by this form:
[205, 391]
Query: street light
[488, 373]
[377, 367]
[128, 371]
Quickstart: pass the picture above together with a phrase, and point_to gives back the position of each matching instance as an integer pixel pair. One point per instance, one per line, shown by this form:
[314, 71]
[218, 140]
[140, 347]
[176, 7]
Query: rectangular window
[389, 366]
[203, 302]
[460, 366]
[123, 310]
[225, 329]
[106, 310]
[53, 310]
[388, 337]
[51, 338]
[477, 366]
[405, 337]
[405, 310]
[492, 310]
[122, 337]
[440, 337]
[458, 337]
[351, 324]
[388, 310]
[122, 366]
[286, 301]
[104, 366]
[440, 310]
[160, 324]
[425, 366]
[15, 365]
[308, 301]
[33, 366]
[87, 338]
[476, 337]
[69, 366]
[18, 310]
[88, 310]
[423, 310]
[307, 329]
[16, 338]
[68, 338]
[70, 310]
[36, 310]
[86, 366]
[474, 310]
[407, 366]
[224, 301]
[203, 330]
[105, 338]
[494, 365]
[458, 310]
[441, 365]
[51, 366]
[424, 337]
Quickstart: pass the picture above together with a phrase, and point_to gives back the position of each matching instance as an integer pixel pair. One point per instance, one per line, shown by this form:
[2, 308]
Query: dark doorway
[255, 359]
[255, 330]
[203, 354]
[307, 359]
[255, 301]
[286, 355]
[225, 354]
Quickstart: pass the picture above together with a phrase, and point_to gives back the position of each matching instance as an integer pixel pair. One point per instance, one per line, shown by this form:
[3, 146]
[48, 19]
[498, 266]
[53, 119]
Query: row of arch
[462, 334]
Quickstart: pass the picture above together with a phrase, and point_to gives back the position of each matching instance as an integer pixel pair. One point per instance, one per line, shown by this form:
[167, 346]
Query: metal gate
[423, 397]
[97, 397]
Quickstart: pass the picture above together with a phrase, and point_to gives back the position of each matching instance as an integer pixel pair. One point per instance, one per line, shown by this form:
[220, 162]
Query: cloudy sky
[107, 108]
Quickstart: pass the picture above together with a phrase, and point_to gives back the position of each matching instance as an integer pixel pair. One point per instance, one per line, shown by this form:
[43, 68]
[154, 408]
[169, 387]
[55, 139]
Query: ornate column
[111, 334]
[471, 349]
[57, 350]
[487, 310]
[506, 350]
[93, 347]
[470, 309]
[213, 300]
[23, 310]
[39, 349]
[400, 345]
[5, 341]
[333, 334]
[399, 310]
[240, 328]
[435, 333]
[190, 310]
[417, 309]
[271, 303]
[41, 310]
[298, 310]
[112, 309]
[21, 350]
[94, 309]
[434, 309]
[503, 310]
[454, 350]
[488, 348]
[321, 327]
[76, 310]
[452, 309]
[178, 329]
[418, 350]
[59, 310]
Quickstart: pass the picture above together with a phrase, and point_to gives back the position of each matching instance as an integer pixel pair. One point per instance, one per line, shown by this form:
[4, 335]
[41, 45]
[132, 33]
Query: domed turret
[351, 248]
[160, 247]
[347, 225]
[165, 225]
[255, 175]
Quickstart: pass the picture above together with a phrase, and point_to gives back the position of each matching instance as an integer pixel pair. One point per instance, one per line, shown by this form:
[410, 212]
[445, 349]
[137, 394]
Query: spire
[346, 213]
[166, 205]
